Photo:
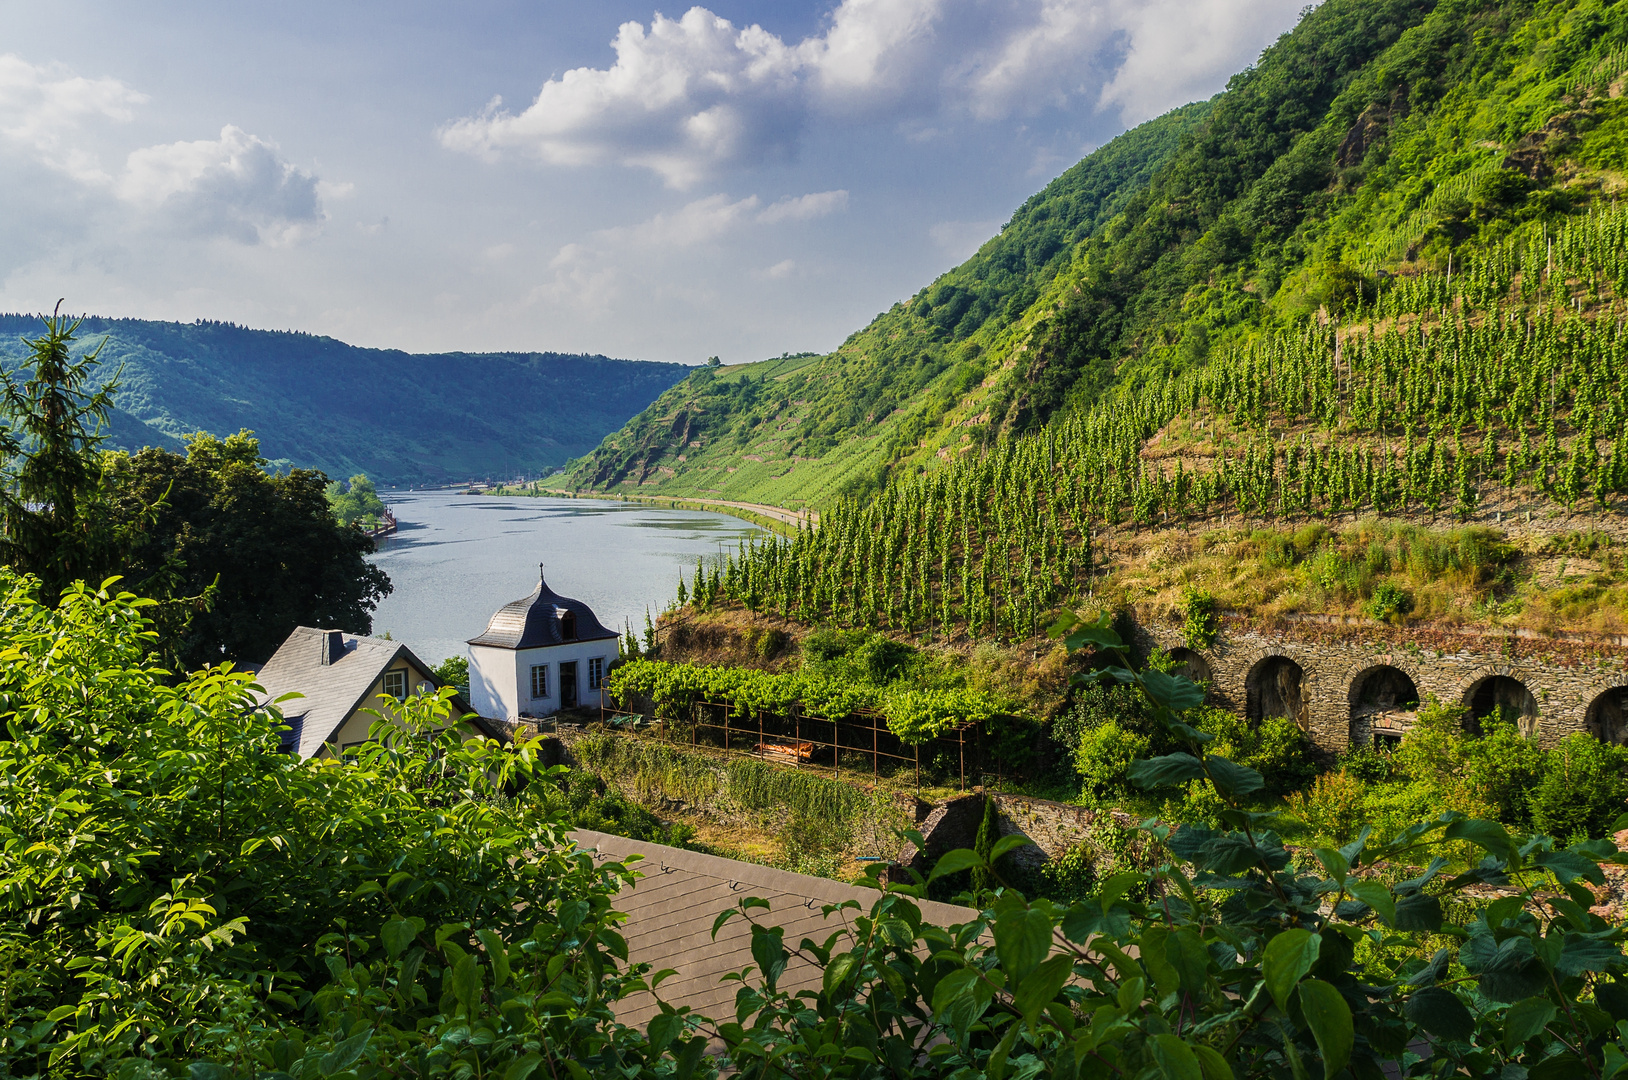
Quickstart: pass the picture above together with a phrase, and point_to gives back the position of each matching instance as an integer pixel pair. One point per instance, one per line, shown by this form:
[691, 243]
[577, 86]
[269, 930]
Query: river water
[455, 559]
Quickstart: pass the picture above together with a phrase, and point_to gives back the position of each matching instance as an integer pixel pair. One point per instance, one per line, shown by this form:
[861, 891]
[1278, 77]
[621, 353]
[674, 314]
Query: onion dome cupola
[542, 619]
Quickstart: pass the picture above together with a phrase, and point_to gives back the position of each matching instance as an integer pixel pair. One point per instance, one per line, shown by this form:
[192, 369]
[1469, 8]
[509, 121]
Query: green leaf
[837, 972]
[344, 1055]
[1419, 912]
[397, 934]
[1329, 1018]
[1286, 960]
[1022, 940]
[1210, 1060]
[497, 954]
[466, 982]
[523, 1067]
[1238, 780]
[1041, 985]
[1489, 835]
[1165, 771]
[1007, 843]
[664, 1027]
[1525, 1019]
[769, 951]
[953, 862]
[1177, 693]
[1377, 896]
[1175, 1058]
[1440, 1012]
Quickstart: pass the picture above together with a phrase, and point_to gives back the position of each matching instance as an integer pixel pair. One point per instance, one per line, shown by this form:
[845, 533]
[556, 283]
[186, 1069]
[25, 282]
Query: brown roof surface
[671, 910]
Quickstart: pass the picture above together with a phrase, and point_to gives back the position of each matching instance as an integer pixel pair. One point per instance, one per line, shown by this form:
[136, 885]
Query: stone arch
[1276, 686]
[1384, 699]
[1607, 716]
[1192, 664]
[1500, 692]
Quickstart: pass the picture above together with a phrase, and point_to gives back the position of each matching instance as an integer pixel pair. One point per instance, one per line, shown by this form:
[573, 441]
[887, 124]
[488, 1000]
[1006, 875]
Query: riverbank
[774, 518]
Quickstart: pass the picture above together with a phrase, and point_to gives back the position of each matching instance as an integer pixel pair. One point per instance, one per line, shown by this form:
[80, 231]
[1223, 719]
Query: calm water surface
[458, 558]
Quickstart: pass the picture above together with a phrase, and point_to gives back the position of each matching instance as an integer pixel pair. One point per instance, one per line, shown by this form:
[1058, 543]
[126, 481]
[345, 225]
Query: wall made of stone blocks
[1565, 677]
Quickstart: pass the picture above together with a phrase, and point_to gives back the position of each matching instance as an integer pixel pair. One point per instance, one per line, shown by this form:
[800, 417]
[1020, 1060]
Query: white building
[540, 654]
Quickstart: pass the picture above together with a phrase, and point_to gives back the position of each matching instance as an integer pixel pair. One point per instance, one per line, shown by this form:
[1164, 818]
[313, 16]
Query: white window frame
[539, 681]
[395, 684]
[596, 672]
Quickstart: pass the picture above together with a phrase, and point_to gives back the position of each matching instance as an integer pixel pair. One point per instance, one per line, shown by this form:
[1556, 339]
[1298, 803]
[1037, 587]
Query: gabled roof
[335, 672]
[534, 621]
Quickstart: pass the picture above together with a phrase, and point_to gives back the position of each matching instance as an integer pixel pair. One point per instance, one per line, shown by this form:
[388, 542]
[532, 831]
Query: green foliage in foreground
[178, 899]
[914, 715]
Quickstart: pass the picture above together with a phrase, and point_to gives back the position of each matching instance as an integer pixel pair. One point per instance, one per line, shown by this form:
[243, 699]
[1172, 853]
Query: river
[456, 558]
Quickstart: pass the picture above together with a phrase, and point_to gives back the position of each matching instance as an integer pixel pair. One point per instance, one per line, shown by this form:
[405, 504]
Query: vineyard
[1496, 381]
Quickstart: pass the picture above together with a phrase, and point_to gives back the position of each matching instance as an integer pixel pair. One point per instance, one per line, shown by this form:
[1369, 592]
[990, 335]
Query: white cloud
[1181, 50]
[237, 185]
[782, 269]
[690, 97]
[804, 207]
[41, 106]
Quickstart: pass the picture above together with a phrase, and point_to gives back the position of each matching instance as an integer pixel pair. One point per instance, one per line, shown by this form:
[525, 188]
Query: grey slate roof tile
[333, 691]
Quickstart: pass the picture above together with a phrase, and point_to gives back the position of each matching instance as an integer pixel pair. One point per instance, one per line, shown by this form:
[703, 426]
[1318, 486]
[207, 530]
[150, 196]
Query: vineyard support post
[875, 735]
[918, 766]
[961, 738]
[797, 736]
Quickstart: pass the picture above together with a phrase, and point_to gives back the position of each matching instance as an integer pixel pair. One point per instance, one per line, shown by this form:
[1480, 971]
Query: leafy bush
[1103, 758]
[1584, 788]
[1199, 620]
[1333, 806]
[1389, 602]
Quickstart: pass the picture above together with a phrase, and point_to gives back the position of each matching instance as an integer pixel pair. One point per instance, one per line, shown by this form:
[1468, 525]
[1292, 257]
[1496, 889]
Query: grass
[1397, 571]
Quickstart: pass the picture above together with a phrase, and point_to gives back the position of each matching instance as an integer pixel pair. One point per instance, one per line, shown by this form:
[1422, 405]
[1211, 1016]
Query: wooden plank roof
[672, 908]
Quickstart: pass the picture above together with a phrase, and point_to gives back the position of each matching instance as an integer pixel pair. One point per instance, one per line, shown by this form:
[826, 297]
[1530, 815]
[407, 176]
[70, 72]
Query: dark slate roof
[670, 913]
[332, 691]
[534, 621]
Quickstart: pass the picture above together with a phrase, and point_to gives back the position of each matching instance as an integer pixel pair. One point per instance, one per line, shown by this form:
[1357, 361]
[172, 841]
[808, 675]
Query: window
[596, 673]
[568, 626]
[395, 684]
[539, 680]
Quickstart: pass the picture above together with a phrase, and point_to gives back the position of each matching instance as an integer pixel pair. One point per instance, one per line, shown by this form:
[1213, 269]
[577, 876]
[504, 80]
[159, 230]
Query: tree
[54, 496]
[268, 543]
[357, 503]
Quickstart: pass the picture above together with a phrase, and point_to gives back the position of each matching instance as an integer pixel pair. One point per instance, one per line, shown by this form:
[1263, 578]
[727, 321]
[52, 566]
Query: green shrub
[1389, 602]
[1199, 620]
[1333, 806]
[1368, 763]
[1502, 767]
[1102, 757]
[1275, 747]
[1583, 788]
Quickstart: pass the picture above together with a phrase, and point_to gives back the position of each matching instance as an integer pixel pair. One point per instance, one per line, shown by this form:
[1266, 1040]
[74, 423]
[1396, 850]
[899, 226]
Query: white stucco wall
[500, 679]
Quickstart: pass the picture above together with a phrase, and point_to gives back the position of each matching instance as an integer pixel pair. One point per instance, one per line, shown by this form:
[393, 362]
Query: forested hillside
[1376, 143]
[314, 402]
[1416, 313]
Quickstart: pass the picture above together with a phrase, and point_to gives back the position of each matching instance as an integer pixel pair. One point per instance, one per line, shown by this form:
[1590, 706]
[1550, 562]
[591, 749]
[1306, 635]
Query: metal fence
[803, 740]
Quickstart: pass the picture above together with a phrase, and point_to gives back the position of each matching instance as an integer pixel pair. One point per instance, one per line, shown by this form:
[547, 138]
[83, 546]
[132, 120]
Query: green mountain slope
[1377, 138]
[402, 418]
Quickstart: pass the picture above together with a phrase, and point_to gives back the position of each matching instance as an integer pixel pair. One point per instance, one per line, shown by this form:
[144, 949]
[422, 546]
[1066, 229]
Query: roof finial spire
[540, 576]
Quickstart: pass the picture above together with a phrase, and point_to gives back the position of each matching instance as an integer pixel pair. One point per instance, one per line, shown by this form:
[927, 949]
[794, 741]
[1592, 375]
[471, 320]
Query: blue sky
[740, 179]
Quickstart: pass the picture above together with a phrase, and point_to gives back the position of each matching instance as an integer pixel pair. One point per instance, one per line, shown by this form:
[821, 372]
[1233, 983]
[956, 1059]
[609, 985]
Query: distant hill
[314, 402]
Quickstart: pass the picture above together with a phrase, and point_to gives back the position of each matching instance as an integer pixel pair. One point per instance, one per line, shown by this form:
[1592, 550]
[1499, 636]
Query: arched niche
[1502, 697]
[1273, 687]
[1193, 665]
[1384, 701]
[1607, 716]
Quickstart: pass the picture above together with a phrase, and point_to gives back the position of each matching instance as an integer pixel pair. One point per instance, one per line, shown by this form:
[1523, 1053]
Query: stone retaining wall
[1573, 685]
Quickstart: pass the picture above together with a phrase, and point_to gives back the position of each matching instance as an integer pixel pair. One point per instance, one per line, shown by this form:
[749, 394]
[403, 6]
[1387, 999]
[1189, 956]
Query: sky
[741, 180]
